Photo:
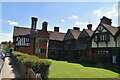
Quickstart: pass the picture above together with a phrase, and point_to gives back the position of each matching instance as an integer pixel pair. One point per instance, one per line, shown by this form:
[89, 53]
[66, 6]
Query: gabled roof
[118, 31]
[25, 31]
[75, 33]
[90, 32]
[56, 35]
[113, 30]
[21, 31]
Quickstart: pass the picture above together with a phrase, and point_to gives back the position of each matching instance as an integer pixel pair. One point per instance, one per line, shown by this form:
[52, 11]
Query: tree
[6, 48]
[4, 42]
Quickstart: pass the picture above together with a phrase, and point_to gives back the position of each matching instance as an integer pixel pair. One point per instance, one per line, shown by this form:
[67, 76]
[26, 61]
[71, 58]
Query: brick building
[73, 45]
[38, 42]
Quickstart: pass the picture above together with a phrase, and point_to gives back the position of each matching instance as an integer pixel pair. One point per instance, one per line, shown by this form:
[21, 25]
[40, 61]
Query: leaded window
[101, 37]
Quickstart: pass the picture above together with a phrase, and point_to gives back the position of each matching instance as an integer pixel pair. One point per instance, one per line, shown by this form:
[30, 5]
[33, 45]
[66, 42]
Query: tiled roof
[21, 31]
[75, 33]
[24, 31]
[90, 32]
[56, 35]
[110, 28]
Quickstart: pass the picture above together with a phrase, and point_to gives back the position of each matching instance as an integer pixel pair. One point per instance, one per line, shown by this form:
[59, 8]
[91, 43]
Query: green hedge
[38, 65]
[100, 57]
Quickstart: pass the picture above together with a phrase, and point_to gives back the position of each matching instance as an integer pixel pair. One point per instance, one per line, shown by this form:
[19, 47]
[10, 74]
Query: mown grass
[63, 69]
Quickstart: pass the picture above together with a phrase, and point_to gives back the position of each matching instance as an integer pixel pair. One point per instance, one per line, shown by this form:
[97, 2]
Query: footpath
[9, 70]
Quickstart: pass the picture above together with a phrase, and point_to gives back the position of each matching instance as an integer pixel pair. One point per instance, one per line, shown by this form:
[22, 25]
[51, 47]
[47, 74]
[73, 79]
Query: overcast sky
[62, 14]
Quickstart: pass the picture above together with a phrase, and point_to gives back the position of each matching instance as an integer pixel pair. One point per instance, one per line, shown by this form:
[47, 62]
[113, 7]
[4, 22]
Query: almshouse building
[73, 45]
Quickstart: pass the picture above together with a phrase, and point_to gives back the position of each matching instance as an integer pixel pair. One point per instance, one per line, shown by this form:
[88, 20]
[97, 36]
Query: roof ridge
[89, 29]
[21, 27]
[57, 32]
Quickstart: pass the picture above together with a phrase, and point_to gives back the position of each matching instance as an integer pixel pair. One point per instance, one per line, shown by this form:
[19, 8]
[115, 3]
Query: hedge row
[38, 65]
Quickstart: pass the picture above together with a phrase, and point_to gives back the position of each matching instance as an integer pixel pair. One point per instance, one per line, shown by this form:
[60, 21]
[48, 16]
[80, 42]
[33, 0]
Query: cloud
[78, 23]
[62, 20]
[81, 23]
[110, 12]
[12, 22]
[97, 12]
[6, 37]
[73, 17]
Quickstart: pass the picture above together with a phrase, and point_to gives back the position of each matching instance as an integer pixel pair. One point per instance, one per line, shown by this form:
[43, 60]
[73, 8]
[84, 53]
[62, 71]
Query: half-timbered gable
[104, 36]
[21, 39]
[21, 36]
[104, 40]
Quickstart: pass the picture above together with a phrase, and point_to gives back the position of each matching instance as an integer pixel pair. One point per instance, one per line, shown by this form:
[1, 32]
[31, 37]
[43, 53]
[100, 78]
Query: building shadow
[15, 70]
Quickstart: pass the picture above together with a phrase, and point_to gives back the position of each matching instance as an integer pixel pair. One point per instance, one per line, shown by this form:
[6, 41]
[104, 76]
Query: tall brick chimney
[106, 20]
[89, 26]
[34, 23]
[44, 25]
[56, 29]
[76, 28]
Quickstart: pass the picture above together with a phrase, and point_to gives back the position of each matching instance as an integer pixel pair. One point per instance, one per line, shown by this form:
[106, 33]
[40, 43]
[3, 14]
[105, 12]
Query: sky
[65, 15]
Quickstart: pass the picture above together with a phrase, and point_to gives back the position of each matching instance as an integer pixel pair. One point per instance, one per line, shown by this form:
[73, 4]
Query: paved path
[9, 69]
[1, 62]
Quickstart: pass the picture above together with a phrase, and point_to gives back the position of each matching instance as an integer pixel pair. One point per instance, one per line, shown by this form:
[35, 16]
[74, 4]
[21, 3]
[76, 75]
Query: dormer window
[101, 37]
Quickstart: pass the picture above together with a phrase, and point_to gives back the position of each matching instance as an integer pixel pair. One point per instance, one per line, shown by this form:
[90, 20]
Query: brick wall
[24, 50]
[32, 46]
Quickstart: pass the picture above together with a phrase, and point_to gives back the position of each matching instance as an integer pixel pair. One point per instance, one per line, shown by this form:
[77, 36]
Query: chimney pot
[106, 20]
[76, 28]
[44, 25]
[89, 26]
[34, 23]
[56, 29]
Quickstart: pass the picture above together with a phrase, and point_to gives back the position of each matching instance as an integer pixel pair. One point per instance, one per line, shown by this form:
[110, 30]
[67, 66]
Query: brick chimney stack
[34, 23]
[89, 26]
[106, 20]
[56, 29]
[44, 25]
[76, 28]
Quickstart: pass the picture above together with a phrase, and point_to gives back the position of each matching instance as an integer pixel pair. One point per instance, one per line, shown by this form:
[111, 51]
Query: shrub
[100, 57]
[38, 65]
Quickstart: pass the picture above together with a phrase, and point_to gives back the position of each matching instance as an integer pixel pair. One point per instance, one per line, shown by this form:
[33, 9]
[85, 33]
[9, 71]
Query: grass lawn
[63, 69]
